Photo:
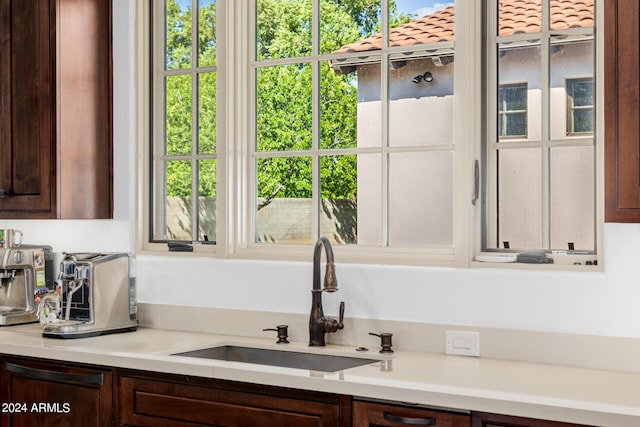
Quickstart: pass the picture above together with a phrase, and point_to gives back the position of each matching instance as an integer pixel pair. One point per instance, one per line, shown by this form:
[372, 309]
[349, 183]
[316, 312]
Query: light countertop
[594, 397]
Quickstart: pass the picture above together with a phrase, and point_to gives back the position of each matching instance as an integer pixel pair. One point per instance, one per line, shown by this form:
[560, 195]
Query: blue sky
[422, 7]
[416, 7]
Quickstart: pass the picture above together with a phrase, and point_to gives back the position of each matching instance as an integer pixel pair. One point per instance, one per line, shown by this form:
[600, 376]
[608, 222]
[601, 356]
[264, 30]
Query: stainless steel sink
[288, 359]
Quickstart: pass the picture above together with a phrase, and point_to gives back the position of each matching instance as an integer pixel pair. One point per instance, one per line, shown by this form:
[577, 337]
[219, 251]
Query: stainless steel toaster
[97, 296]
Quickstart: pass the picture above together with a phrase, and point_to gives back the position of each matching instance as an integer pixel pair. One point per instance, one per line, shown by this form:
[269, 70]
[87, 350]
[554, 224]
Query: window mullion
[159, 128]
[545, 43]
[316, 197]
[194, 121]
[384, 126]
[491, 151]
[468, 95]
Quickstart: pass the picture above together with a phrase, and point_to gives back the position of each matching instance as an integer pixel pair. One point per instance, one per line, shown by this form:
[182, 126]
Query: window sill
[374, 256]
[560, 263]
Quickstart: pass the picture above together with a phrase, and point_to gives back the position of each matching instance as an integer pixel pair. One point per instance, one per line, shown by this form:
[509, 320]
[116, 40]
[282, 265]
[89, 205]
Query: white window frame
[235, 126]
[489, 223]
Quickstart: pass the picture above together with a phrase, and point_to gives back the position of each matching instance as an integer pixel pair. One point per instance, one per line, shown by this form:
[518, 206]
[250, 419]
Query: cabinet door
[160, 401]
[622, 110]
[84, 94]
[368, 414]
[52, 394]
[481, 419]
[27, 114]
[56, 149]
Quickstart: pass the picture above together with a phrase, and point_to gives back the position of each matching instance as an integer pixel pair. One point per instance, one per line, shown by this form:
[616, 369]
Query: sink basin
[288, 359]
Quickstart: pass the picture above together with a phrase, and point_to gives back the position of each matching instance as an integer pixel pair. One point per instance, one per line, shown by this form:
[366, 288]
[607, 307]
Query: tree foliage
[179, 96]
[284, 95]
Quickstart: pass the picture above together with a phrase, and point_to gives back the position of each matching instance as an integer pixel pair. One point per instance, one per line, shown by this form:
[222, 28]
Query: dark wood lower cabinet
[370, 414]
[168, 400]
[43, 393]
[51, 393]
[482, 419]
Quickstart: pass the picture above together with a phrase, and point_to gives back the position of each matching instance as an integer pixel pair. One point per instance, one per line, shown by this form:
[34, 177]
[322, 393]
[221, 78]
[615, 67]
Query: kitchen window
[541, 191]
[184, 156]
[338, 118]
[348, 125]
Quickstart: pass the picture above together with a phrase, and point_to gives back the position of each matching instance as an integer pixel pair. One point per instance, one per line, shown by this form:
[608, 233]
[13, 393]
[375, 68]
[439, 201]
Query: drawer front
[369, 414]
[54, 394]
[154, 403]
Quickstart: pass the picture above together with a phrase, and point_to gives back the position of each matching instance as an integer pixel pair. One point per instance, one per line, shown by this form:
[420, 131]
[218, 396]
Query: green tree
[179, 93]
[284, 101]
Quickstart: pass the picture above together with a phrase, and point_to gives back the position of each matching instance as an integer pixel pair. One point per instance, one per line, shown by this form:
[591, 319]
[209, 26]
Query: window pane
[178, 202]
[421, 198]
[178, 34]
[346, 25]
[284, 109]
[207, 33]
[519, 17]
[338, 108]
[519, 70]
[339, 196]
[571, 88]
[284, 204]
[178, 114]
[207, 113]
[420, 21]
[572, 197]
[421, 101]
[369, 107]
[512, 97]
[520, 198]
[512, 111]
[369, 199]
[581, 93]
[207, 200]
[582, 121]
[571, 14]
[283, 28]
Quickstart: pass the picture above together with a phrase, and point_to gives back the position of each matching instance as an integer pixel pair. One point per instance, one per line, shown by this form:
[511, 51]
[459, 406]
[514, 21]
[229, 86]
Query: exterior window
[184, 114]
[512, 111]
[350, 124]
[580, 106]
[540, 190]
[350, 120]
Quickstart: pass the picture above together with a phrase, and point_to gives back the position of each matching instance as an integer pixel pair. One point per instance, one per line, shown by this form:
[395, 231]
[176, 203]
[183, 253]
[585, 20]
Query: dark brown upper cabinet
[56, 149]
[622, 110]
[27, 114]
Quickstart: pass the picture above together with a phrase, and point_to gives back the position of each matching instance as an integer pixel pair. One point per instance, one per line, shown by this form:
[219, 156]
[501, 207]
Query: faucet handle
[341, 316]
[283, 333]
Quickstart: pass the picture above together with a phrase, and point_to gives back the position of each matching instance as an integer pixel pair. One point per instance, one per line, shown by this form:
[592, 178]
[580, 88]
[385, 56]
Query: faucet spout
[318, 323]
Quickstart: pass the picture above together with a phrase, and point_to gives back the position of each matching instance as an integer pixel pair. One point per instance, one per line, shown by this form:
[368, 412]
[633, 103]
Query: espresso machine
[24, 272]
[97, 296]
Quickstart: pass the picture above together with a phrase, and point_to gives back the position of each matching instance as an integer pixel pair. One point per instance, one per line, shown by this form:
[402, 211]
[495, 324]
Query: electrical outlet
[462, 343]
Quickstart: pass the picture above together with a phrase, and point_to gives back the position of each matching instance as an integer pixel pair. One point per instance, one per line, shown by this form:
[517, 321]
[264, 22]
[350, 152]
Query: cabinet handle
[406, 420]
[3, 193]
[96, 379]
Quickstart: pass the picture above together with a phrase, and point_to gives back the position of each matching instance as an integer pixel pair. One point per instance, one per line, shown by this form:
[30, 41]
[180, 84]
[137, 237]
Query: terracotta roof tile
[516, 16]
